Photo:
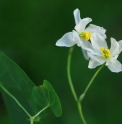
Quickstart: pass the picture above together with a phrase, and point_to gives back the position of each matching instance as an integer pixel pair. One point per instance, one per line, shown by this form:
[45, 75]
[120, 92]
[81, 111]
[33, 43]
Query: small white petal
[86, 45]
[96, 58]
[77, 16]
[96, 29]
[116, 56]
[103, 30]
[120, 45]
[111, 60]
[93, 64]
[98, 41]
[115, 66]
[76, 38]
[85, 54]
[66, 40]
[80, 27]
[114, 47]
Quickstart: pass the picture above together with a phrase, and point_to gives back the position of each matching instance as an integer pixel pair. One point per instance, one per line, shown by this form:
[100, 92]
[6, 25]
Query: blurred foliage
[29, 30]
[22, 97]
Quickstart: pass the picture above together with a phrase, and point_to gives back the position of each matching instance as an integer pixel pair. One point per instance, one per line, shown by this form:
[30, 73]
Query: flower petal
[96, 58]
[77, 16]
[115, 66]
[86, 45]
[93, 64]
[96, 29]
[114, 47]
[82, 43]
[98, 41]
[120, 45]
[85, 54]
[80, 27]
[76, 38]
[103, 29]
[66, 40]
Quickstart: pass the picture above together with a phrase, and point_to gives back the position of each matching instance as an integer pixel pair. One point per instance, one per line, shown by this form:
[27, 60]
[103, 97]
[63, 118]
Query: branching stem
[78, 101]
[32, 118]
[72, 87]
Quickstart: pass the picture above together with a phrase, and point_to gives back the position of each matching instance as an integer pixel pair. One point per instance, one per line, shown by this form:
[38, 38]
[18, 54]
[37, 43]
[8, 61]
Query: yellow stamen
[106, 52]
[85, 35]
[102, 49]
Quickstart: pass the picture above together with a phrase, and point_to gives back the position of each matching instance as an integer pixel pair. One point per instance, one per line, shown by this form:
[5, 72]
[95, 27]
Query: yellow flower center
[106, 52]
[85, 35]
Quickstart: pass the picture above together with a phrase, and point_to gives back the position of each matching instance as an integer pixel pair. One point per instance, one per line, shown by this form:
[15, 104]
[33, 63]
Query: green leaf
[45, 95]
[14, 79]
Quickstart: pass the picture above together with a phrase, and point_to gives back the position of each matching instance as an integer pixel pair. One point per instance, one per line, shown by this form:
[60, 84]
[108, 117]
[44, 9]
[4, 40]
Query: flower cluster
[92, 40]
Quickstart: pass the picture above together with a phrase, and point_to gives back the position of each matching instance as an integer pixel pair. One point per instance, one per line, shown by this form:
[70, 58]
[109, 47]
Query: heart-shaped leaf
[45, 95]
[14, 79]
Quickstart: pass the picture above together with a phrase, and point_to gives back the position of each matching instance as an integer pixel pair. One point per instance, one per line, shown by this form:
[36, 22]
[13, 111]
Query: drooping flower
[82, 34]
[103, 55]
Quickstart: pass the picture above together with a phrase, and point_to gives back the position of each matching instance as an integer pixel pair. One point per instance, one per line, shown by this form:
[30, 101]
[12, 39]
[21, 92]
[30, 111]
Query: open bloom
[103, 55]
[81, 35]
[84, 33]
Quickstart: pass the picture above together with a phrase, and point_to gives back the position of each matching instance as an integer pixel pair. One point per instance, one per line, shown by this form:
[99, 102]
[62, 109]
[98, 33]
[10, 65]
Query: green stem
[68, 74]
[33, 117]
[72, 87]
[89, 84]
[40, 111]
[7, 92]
[80, 112]
[31, 120]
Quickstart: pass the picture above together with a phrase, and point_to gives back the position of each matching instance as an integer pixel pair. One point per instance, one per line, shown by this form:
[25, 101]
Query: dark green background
[29, 30]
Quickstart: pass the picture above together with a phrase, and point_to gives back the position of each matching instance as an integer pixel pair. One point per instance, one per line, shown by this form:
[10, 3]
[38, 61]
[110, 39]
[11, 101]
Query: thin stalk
[89, 84]
[33, 117]
[31, 120]
[72, 87]
[69, 75]
[80, 112]
[7, 92]
[40, 111]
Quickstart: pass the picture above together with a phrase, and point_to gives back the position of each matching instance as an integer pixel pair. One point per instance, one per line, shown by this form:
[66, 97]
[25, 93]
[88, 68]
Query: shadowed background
[29, 30]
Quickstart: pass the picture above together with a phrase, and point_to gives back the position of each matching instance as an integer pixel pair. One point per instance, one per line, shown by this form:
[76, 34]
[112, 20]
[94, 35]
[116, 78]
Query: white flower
[103, 55]
[81, 35]
[84, 34]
